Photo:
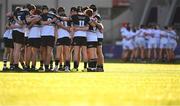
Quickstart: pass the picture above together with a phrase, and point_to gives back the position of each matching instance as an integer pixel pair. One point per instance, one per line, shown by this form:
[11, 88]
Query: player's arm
[12, 26]
[100, 26]
[59, 24]
[85, 28]
[34, 21]
[7, 26]
[65, 18]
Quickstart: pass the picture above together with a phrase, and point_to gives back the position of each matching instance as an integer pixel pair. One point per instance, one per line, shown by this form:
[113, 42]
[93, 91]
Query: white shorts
[172, 44]
[127, 45]
[140, 42]
[152, 43]
[163, 43]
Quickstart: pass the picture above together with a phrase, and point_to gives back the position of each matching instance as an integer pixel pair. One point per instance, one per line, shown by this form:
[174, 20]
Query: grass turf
[120, 85]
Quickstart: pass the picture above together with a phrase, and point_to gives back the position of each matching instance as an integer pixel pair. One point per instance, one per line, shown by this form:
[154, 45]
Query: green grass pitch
[121, 84]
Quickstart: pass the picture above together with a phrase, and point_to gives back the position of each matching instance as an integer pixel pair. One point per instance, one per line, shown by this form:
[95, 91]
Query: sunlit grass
[119, 85]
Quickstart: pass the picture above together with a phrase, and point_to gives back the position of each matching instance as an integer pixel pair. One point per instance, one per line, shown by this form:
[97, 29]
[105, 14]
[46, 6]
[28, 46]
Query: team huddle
[148, 43]
[51, 36]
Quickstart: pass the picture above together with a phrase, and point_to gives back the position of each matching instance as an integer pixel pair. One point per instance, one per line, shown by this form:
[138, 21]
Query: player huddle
[53, 36]
[148, 43]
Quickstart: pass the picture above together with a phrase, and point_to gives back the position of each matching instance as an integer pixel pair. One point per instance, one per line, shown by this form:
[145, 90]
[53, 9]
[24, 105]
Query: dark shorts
[26, 41]
[47, 41]
[100, 41]
[63, 41]
[18, 37]
[92, 44]
[8, 43]
[34, 42]
[79, 41]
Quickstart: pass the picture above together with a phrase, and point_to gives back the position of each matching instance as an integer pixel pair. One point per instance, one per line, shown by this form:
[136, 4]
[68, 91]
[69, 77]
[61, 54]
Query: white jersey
[123, 30]
[80, 34]
[19, 29]
[153, 39]
[47, 30]
[164, 40]
[172, 39]
[128, 40]
[8, 34]
[63, 33]
[99, 34]
[139, 38]
[92, 36]
[164, 37]
[157, 33]
[34, 32]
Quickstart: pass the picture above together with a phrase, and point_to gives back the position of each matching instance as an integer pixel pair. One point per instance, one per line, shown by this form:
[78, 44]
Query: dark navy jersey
[48, 17]
[65, 23]
[80, 20]
[21, 15]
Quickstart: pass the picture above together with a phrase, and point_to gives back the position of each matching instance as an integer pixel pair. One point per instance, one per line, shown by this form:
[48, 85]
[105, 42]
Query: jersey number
[81, 23]
[64, 23]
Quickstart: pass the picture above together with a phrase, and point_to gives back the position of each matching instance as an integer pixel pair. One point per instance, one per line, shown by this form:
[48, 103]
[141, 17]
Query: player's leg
[67, 53]
[67, 57]
[18, 38]
[76, 58]
[28, 58]
[100, 58]
[41, 58]
[34, 58]
[57, 57]
[5, 58]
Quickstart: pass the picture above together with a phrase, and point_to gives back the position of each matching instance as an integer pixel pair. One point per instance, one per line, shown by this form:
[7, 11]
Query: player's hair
[26, 6]
[45, 7]
[73, 9]
[85, 8]
[37, 12]
[93, 7]
[31, 7]
[52, 10]
[79, 9]
[18, 9]
[89, 12]
[60, 9]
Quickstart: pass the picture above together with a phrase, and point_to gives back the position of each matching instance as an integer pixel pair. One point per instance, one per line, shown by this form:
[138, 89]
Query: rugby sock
[5, 63]
[51, 64]
[90, 63]
[41, 63]
[23, 65]
[60, 66]
[100, 66]
[85, 64]
[67, 64]
[46, 67]
[11, 65]
[15, 65]
[76, 64]
[56, 62]
[94, 63]
[33, 67]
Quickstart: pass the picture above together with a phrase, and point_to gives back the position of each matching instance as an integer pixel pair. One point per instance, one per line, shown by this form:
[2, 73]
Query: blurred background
[113, 12]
